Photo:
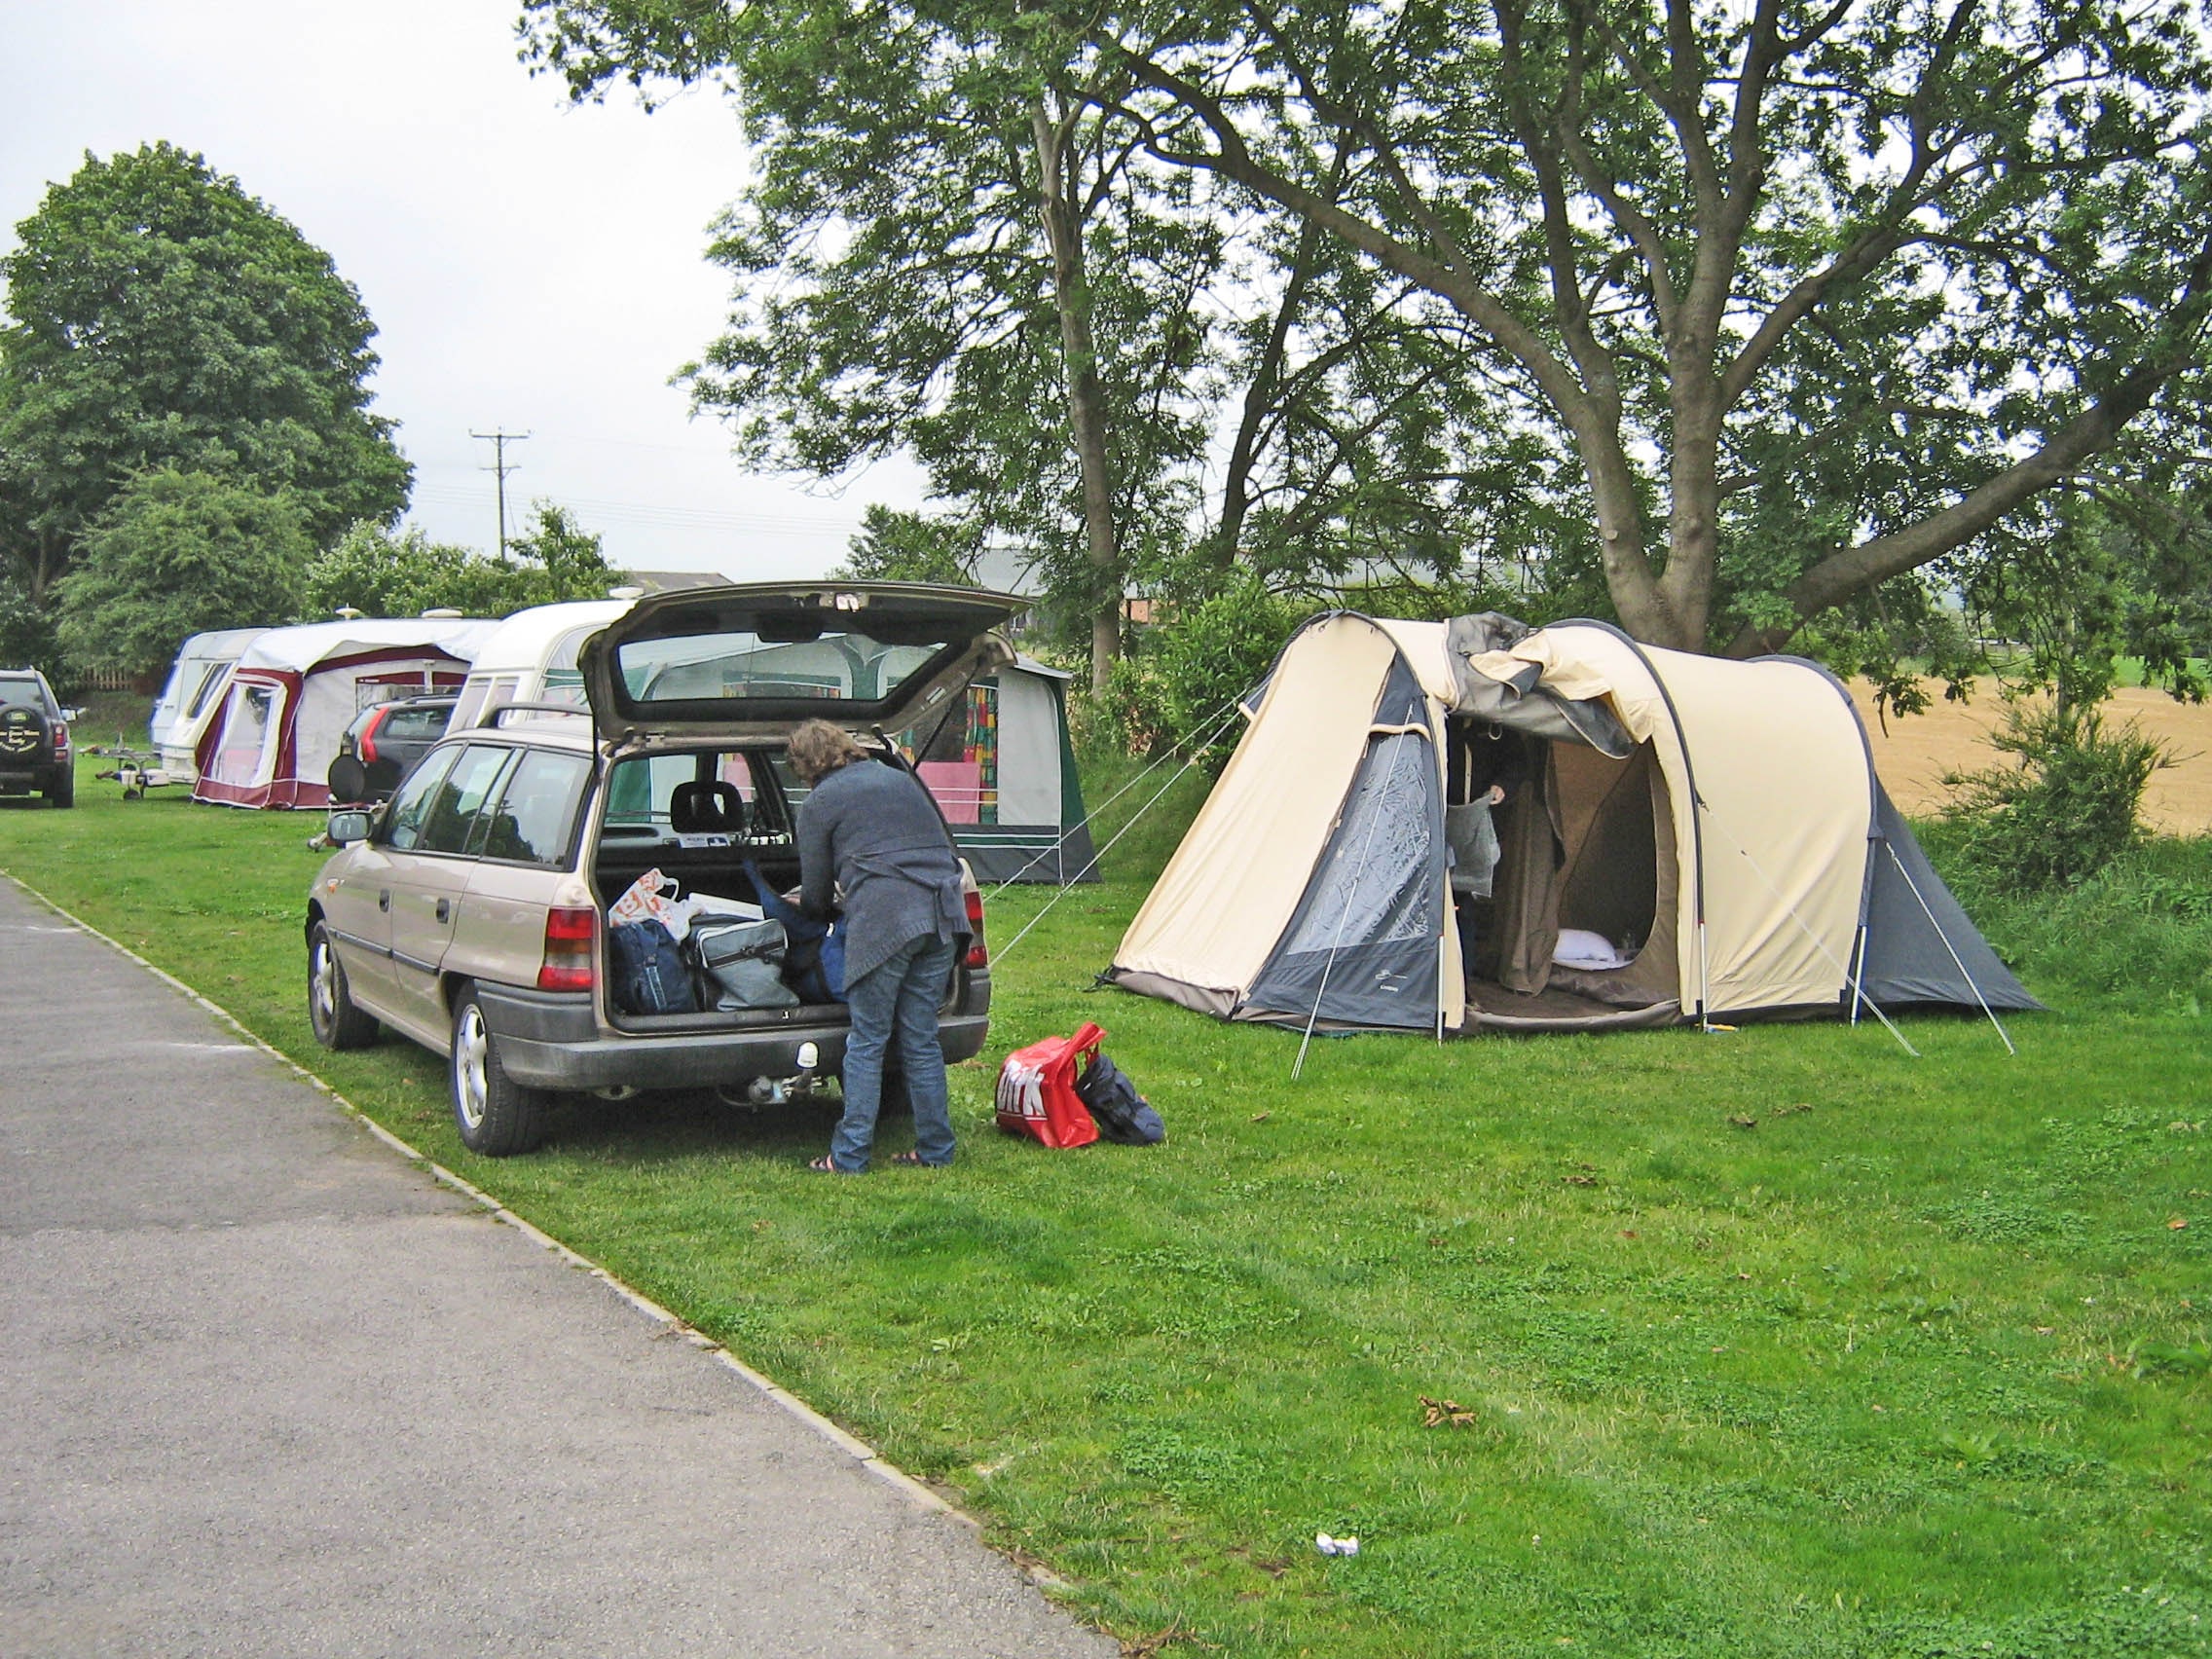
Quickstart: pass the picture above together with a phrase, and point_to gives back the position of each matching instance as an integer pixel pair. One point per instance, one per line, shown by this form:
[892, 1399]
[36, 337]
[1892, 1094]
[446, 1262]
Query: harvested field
[1915, 753]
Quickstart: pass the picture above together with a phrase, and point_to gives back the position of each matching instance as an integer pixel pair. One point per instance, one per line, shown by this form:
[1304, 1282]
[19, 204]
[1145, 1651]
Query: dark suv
[34, 739]
[384, 743]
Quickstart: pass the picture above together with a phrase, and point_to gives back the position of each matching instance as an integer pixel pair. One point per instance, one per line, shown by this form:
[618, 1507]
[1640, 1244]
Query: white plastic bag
[650, 897]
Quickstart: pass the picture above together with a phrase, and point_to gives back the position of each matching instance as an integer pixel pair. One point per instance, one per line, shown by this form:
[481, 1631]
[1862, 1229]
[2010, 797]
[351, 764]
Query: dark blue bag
[649, 972]
[814, 956]
[1121, 1113]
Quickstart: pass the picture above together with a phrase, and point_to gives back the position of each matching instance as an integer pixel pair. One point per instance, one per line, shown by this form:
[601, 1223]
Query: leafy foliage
[2066, 808]
[1741, 315]
[166, 320]
[375, 572]
[1178, 690]
[173, 554]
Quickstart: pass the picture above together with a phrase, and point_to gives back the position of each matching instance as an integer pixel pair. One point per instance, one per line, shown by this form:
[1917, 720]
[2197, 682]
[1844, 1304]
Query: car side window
[460, 796]
[403, 820]
[537, 809]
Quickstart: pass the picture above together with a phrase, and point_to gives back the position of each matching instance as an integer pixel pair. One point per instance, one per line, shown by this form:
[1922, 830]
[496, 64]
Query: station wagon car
[469, 912]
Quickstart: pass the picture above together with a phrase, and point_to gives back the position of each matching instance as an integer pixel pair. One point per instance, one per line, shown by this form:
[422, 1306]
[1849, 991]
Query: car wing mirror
[348, 828]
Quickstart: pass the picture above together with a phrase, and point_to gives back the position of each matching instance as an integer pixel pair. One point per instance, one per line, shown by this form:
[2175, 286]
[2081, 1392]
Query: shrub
[1177, 689]
[2064, 809]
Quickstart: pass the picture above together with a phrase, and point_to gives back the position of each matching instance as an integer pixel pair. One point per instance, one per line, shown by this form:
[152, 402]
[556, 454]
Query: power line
[499, 440]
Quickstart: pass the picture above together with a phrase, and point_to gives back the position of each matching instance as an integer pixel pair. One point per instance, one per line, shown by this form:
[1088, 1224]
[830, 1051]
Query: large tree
[162, 317]
[1829, 287]
[1787, 301]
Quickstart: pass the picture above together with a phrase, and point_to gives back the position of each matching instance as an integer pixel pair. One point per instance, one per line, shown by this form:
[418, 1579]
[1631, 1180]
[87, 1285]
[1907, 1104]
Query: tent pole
[1914, 888]
[1704, 988]
[1858, 974]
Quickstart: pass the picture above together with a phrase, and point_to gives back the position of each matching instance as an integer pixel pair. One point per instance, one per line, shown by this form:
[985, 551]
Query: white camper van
[531, 657]
[192, 695]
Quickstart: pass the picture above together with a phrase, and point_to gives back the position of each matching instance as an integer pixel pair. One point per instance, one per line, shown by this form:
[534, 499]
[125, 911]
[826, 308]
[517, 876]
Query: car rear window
[21, 694]
[834, 667]
[415, 725]
[537, 809]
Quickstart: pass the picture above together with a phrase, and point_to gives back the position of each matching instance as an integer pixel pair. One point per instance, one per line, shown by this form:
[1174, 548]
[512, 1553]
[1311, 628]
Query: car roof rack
[492, 717]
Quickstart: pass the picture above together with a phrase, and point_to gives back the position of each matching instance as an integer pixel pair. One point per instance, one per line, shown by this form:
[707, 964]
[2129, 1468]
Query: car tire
[339, 1022]
[496, 1116]
[64, 793]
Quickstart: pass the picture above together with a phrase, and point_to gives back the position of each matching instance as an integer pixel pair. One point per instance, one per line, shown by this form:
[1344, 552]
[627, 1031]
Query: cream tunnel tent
[1695, 839]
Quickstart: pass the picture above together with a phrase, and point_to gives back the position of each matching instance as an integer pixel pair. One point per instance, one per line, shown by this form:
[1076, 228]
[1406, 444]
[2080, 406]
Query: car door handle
[384, 900]
[445, 909]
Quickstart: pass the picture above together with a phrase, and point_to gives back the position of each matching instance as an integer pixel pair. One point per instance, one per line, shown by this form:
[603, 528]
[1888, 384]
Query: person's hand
[1497, 795]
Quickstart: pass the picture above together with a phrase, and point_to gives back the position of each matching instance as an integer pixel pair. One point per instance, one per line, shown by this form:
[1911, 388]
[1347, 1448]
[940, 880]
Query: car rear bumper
[553, 1040]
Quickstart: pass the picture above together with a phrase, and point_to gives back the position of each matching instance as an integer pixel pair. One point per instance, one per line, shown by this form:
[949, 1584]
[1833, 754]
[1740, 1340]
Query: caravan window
[210, 677]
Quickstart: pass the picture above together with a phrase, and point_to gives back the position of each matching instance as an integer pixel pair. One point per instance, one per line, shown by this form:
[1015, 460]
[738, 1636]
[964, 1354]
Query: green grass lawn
[1779, 1343]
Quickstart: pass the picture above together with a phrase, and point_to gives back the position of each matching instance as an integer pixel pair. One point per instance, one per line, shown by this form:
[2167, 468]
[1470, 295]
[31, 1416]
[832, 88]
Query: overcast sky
[529, 265]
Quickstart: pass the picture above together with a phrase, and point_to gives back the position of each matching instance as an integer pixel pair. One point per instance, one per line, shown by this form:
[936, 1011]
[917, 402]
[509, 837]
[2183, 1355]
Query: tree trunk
[1087, 402]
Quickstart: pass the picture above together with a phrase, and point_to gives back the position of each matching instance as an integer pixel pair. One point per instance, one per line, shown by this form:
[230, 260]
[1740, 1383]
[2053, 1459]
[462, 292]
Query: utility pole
[499, 440]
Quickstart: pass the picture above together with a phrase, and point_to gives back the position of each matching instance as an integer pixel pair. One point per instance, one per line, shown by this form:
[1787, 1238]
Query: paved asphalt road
[265, 1388]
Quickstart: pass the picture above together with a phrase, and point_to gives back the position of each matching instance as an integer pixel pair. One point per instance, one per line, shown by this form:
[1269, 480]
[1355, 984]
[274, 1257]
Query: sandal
[912, 1158]
[826, 1166]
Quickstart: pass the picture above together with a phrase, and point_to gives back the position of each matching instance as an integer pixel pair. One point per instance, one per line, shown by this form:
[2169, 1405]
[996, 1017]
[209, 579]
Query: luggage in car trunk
[741, 962]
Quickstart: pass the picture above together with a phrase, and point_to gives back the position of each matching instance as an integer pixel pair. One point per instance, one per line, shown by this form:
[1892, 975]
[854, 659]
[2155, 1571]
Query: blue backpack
[649, 972]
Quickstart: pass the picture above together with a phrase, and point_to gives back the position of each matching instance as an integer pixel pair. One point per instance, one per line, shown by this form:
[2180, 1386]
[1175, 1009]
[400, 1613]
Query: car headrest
[706, 809]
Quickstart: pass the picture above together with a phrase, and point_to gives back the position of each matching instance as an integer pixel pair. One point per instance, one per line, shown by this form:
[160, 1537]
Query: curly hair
[817, 749]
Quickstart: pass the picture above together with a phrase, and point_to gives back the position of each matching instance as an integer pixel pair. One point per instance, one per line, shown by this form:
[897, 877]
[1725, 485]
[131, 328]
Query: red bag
[1037, 1090]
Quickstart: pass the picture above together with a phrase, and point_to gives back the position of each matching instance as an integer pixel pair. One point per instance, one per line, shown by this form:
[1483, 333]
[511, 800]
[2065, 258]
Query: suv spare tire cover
[349, 779]
[24, 734]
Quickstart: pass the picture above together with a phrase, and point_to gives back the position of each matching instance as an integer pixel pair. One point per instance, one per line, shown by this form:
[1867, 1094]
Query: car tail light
[569, 930]
[60, 740]
[369, 740]
[978, 955]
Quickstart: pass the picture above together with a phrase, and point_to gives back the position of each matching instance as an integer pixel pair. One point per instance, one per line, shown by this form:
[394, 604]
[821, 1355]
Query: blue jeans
[898, 1000]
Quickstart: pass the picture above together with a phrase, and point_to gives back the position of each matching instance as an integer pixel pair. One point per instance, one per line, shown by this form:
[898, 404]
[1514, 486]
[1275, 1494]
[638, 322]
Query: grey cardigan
[872, 828]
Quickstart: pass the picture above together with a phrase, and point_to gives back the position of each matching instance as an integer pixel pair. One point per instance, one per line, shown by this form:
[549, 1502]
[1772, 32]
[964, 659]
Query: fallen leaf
[1260, 1116]
[1439, 1413]
[2044, 1330]
[1581, 1180]
[2176, 1223]
[1628, 1232]
[1745, 1122]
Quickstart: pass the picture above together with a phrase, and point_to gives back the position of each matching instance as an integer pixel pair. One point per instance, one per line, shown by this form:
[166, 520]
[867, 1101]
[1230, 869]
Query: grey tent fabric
[1361, 948]
[1907, 958]
[1521, 703]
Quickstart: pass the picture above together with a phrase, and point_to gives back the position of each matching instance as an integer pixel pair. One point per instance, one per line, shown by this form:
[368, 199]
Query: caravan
[274, 728]
[192, 694]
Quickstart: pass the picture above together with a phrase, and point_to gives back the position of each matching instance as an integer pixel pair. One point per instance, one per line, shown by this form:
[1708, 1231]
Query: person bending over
[873, 829]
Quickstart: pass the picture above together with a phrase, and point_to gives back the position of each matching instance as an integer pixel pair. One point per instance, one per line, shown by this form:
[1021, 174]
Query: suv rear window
[21, 694]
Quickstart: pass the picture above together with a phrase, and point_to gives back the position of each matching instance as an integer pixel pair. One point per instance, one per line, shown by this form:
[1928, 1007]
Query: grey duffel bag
[741, 964]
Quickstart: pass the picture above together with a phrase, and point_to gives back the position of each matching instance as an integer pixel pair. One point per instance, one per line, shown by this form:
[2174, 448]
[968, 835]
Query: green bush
[1177, 690]
[2064, 809]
